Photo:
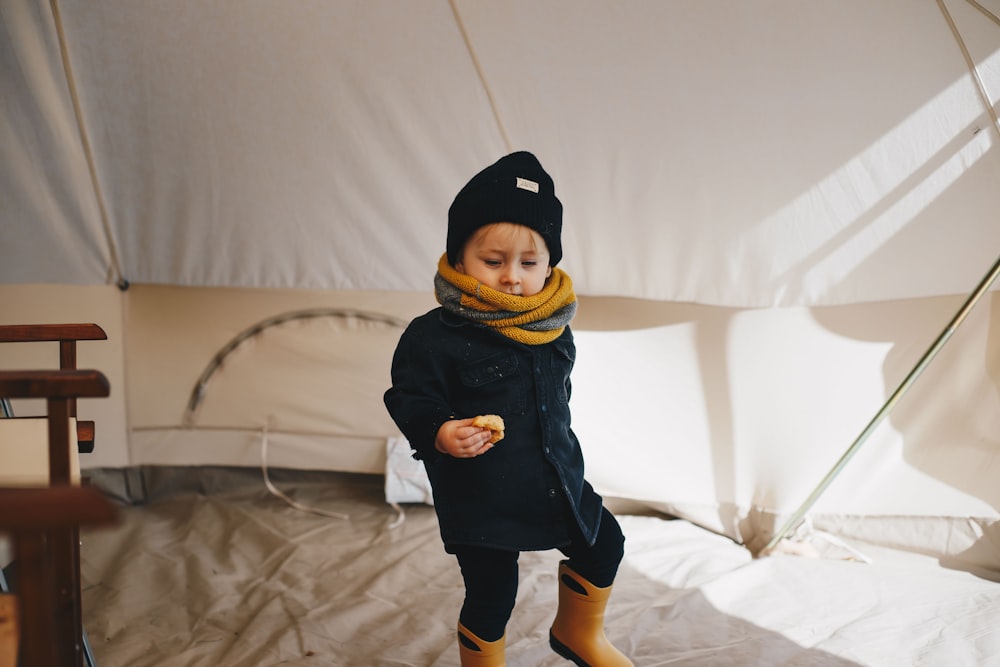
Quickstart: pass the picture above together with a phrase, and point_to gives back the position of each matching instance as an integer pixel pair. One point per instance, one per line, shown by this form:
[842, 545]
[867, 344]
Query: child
[500, 343]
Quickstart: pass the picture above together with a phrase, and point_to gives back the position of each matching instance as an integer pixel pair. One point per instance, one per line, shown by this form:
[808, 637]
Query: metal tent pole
[974, 297]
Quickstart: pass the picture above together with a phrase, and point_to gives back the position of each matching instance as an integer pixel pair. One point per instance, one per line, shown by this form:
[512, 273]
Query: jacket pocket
[494, 386]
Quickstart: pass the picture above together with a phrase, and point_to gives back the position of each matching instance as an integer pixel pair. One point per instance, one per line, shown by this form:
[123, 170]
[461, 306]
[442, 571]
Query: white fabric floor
[214, 570]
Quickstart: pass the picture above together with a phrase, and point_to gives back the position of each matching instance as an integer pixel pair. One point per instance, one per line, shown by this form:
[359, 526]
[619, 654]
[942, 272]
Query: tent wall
[771, 209]
[707, 411]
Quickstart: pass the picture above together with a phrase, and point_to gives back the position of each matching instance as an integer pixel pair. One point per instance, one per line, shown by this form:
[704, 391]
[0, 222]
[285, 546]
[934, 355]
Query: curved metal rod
[977, 293]
[198, 392]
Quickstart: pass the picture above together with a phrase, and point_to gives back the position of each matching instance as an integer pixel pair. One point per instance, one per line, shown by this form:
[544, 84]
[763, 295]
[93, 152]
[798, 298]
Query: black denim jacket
[519, 494]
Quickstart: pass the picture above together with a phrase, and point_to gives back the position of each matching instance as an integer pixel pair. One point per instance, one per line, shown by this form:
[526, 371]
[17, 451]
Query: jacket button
[552, 493]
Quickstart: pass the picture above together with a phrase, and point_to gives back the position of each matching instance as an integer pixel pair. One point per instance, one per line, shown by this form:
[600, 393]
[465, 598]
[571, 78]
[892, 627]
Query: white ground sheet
[214, 570]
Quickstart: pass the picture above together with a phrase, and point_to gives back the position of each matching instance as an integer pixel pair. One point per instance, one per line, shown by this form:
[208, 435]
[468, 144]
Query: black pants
[491, 575]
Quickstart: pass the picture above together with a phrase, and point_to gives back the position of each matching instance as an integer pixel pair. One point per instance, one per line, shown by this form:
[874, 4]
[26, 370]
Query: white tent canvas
[772, 211]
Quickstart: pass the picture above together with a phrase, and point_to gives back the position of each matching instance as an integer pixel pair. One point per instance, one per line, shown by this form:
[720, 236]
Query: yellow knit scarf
[533, 320]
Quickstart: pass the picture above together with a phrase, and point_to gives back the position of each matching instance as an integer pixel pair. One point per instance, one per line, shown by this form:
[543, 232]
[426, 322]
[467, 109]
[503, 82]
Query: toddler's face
[507, 257]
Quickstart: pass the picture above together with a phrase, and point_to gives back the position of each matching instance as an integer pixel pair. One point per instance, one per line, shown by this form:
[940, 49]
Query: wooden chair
[47, 542]
[67, 336]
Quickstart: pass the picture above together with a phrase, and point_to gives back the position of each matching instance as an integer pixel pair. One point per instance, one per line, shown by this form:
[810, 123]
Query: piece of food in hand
[494, 423]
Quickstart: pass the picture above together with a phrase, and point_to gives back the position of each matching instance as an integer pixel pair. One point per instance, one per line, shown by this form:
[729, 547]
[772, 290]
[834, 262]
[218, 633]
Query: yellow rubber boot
[577, 634]
[475, 652]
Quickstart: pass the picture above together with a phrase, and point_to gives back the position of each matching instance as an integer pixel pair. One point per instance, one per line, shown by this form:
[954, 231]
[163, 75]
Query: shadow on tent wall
[950, 418]
[947, 424]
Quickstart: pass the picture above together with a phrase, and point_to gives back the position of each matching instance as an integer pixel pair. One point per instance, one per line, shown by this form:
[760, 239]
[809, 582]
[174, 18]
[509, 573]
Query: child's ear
[549, 272]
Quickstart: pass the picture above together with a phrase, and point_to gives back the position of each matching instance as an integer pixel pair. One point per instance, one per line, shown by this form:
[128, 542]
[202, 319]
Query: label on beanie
[525, 184]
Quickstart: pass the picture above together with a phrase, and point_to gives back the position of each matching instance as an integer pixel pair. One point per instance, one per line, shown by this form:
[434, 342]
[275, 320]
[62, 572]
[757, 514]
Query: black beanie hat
[515, 189]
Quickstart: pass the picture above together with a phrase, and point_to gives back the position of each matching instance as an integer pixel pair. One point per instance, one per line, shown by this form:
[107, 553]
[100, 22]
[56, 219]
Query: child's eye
[529, 263]
[492, 262]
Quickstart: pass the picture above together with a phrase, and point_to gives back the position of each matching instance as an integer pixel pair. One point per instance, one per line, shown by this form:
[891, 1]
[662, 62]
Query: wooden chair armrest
[33, 508]
[54, 384]
[28, 333]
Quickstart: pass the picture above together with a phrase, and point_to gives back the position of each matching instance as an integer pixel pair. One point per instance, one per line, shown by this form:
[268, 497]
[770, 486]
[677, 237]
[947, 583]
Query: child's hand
[459, 438]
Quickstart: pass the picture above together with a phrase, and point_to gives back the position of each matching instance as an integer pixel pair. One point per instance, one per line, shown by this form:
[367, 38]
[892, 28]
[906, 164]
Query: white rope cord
[400, 516]
[116, 264]
[275, 491]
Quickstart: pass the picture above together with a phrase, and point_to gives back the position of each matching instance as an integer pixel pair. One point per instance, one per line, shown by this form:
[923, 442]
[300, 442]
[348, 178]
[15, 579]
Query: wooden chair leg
[9, 632]
[63, 551]
[77, 594]
[33, 589]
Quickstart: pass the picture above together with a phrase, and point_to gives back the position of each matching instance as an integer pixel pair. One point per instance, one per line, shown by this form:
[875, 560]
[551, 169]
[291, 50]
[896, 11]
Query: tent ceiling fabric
[51, 224]
[725, 153]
